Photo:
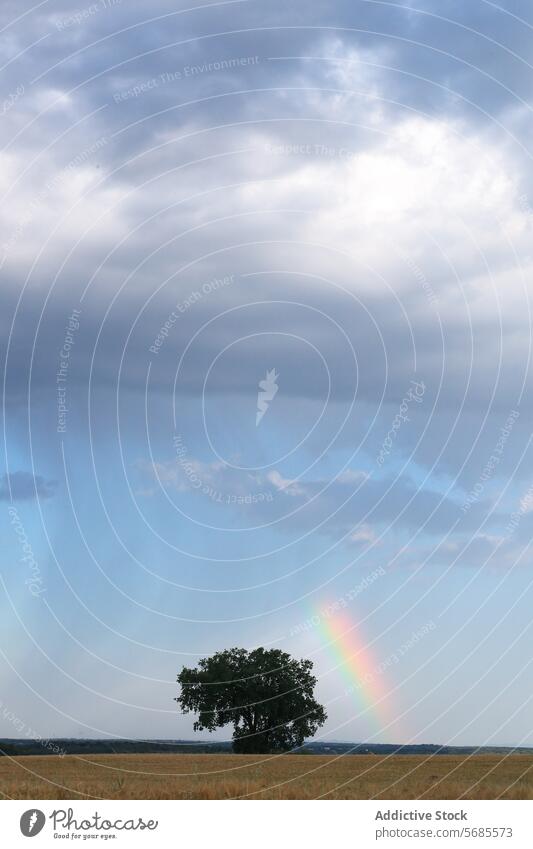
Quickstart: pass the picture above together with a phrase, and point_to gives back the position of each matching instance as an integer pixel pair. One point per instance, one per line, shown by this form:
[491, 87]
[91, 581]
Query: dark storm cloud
[108, 59]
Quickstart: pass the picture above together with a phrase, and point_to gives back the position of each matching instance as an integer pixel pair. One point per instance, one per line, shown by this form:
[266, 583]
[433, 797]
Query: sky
[265, 330]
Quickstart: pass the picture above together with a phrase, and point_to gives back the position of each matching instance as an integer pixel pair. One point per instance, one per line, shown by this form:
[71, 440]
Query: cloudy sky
[265, 326]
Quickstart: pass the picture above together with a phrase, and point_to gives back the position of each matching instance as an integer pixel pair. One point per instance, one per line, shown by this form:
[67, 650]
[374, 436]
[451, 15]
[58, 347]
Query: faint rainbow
[358, 666]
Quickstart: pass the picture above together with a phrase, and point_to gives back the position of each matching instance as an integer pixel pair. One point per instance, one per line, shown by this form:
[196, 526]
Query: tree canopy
[265, 694]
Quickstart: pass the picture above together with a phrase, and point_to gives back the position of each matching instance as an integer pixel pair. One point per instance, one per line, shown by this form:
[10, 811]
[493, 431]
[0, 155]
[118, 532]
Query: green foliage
[266, 694]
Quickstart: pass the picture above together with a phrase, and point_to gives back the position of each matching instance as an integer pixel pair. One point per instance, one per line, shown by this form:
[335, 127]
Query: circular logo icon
[32, 822]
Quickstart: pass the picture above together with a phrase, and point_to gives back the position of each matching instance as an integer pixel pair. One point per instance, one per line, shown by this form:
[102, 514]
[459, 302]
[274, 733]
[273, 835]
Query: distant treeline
[69, 746]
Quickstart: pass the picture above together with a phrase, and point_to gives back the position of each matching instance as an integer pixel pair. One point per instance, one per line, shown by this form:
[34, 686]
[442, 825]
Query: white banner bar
[268, 824]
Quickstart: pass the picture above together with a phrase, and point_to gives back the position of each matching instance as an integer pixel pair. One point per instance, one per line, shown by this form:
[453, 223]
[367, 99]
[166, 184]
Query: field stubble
[223, 776]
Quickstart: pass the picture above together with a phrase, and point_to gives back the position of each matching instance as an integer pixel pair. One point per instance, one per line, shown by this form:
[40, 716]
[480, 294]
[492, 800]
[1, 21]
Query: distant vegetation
[72, 746]
[265, 694]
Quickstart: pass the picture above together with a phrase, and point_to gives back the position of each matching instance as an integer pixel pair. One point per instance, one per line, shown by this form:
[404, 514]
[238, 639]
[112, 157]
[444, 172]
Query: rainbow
[358, 665]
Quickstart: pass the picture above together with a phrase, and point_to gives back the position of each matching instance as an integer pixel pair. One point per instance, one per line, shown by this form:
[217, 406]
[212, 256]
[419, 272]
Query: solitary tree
[266, 694]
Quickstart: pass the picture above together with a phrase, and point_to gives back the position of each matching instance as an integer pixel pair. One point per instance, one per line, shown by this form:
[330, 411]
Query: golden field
[267, 777]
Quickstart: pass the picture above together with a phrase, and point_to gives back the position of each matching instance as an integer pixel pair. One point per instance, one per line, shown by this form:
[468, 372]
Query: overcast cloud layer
[320, 213]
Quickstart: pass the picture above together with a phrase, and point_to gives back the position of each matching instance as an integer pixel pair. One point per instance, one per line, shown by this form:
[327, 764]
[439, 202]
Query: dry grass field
[267, 777]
